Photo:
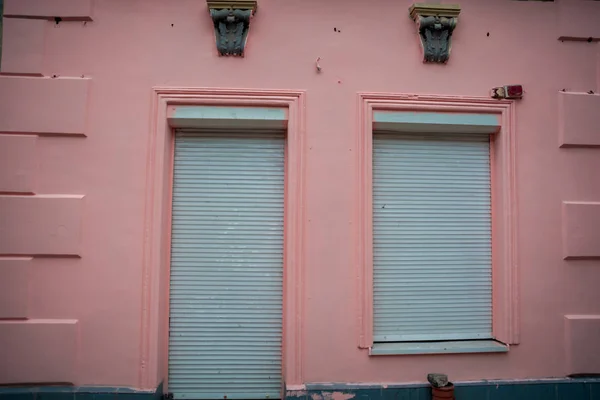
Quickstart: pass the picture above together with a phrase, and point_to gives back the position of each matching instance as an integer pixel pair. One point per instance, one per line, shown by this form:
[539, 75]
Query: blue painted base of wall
[77, 393]
[552, 389]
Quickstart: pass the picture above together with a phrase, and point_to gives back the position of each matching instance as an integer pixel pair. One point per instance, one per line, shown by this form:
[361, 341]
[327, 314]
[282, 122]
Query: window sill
[450, 347]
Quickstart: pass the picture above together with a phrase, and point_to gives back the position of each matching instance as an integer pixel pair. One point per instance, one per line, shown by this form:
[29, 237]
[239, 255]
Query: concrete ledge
[450, 347]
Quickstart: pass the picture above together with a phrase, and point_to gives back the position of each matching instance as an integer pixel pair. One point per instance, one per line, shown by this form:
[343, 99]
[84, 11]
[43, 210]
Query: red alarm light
[514, 91]
[507, 92]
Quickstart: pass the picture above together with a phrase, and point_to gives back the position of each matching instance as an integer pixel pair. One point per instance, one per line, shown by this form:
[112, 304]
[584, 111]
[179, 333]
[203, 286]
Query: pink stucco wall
[75, 116]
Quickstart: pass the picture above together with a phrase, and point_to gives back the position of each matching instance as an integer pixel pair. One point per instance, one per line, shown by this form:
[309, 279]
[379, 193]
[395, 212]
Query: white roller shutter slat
[225, 328]
[432, 254]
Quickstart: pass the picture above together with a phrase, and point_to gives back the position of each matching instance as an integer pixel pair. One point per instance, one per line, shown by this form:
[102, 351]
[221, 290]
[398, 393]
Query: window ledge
[450, 347]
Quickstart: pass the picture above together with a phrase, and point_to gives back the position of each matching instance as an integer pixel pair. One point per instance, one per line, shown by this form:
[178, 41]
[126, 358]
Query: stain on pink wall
[92, 122]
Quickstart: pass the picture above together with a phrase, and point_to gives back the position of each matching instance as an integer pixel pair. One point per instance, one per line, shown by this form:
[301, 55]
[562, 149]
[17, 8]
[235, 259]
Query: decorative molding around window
[182, 107]
[435, 24]
[414, 125]
[232, 23]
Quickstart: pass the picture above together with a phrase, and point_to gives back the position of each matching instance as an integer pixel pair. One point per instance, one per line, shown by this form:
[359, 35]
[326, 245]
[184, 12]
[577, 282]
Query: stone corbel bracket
[232, 22]
[435, 24]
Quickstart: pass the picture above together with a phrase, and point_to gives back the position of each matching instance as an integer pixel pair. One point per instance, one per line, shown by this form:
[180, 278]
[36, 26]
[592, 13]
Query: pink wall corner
[581, 238]
[579, 119]
[67, 9]
[57, 286]
[14, 287]
[43, 105]
[577, 19]
[106, 309]
[18, 163]
[41, 225]
[23, 46]
[582, 344]
[131, 47]
[38, 351]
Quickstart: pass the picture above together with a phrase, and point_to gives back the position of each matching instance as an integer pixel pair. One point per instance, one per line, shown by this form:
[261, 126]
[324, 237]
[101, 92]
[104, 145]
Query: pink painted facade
[85, 167]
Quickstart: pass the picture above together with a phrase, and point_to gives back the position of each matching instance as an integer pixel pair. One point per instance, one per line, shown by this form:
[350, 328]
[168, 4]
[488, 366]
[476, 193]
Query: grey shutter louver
[432, 275]
[226, 266]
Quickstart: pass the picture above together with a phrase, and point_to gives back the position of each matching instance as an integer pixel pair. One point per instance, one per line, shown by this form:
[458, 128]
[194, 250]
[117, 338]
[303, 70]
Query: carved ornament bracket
[232, 23]
[435, 24]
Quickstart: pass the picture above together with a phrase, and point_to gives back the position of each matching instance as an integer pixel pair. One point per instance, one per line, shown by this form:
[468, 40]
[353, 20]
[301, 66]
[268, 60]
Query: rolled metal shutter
[226, 266]
[431, 237]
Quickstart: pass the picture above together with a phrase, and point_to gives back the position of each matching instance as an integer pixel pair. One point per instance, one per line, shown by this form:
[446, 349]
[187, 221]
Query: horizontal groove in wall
[15, 258]
[43, 321]
[9, 193]
[23, 74]
[580, 146]
[44, 134]
[32, 256]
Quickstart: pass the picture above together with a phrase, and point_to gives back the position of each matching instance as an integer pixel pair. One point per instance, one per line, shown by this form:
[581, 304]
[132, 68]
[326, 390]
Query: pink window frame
[153, 367]
[505, 293]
